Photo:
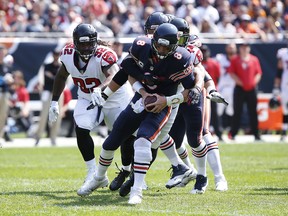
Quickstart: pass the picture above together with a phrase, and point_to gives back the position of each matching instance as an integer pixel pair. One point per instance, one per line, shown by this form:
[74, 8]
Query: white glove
[217, 98]
[53, 111]
[138, 106]
[96, 97]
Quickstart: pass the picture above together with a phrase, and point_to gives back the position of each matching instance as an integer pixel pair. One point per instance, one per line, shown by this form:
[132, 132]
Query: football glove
[53, 112]
[217, 97]
[96, 97]
[194, 95]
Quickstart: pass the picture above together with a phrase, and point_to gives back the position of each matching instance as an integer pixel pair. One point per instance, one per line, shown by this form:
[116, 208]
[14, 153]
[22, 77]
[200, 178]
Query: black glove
[149, 79]
[194, 95]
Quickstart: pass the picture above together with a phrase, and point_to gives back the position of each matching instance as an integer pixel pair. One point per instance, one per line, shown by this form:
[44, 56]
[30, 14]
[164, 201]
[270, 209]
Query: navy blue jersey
[169, 72]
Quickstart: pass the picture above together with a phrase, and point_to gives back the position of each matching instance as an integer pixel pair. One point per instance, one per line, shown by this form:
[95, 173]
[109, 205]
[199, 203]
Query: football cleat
[221, 184]
[181, 174]
[119, 179]
[92, 184]
[135, 197]
[126, 187]
[200, 185]
[187, 177]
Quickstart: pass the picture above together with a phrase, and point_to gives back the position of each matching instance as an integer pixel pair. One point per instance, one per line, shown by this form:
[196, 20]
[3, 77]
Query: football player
[91, 67]
[281, 87]
[194, 124]
[181, 173]
[171, 64]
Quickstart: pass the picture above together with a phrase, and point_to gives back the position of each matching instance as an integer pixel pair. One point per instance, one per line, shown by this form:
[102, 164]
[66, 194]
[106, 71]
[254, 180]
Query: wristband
[211, 89]
[55, 98]
[137, 86]
[107, 91]
[175, 99]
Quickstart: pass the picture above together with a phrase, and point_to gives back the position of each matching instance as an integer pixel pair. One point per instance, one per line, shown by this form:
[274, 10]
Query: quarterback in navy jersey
[169, 65]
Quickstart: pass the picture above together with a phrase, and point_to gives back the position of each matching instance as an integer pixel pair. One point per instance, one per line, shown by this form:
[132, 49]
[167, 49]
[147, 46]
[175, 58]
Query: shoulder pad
[139, 44]
[106, 55]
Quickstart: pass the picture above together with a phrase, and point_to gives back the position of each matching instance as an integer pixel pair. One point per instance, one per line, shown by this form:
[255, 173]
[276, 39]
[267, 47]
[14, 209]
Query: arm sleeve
[120, 77]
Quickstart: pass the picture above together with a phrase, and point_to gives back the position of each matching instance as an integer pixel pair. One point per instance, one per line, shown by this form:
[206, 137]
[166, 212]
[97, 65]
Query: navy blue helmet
[165, 35]
[153, 21]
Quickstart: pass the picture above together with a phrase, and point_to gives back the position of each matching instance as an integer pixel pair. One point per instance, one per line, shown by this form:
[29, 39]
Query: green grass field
[43, 181]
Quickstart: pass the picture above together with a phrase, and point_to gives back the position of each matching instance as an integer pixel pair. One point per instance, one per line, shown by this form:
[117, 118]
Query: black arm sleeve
[120, 77]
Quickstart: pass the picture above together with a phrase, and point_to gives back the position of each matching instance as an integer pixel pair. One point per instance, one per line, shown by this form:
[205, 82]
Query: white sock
[138, 181]
[183, 154]
[91, 165]
[168, 148]
[213, 155]
[142, 159]
[105, 160]
[127, 168]
[200, 157]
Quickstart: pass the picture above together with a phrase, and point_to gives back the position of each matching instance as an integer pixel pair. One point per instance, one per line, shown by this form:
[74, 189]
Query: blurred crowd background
[266, 19]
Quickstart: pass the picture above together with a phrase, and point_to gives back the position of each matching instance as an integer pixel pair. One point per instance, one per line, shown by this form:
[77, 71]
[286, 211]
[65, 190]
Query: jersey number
[82, 84]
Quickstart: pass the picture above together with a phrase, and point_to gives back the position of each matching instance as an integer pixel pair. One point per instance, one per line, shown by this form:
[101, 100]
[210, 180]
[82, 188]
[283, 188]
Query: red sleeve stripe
[180, 75]
[164, 121]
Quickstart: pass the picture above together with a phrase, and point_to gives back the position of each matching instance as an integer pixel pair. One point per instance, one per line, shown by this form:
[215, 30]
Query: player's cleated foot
[126, 187]
[200, 185]
[188, 177]
[119, 179]
[92, 184]
[135, 197]
[178, 173]
[221, 184]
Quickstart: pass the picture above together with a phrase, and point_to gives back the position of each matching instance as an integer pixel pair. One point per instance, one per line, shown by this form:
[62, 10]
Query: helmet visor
[183, 40]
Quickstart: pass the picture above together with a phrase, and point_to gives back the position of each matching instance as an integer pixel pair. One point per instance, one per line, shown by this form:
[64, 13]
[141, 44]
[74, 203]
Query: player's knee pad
[142, 150]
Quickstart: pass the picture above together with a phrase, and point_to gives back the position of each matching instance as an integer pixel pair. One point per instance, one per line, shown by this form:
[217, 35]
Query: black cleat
[119, 179]
[200, 185]
[126, 187]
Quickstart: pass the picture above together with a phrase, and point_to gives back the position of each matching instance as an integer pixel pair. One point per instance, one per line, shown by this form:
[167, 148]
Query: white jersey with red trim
[91, 75]
[225, 85]
[282, 54]
[196, 54]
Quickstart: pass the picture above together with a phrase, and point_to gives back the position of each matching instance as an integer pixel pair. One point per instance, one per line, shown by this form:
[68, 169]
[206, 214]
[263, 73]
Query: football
[149, 100]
